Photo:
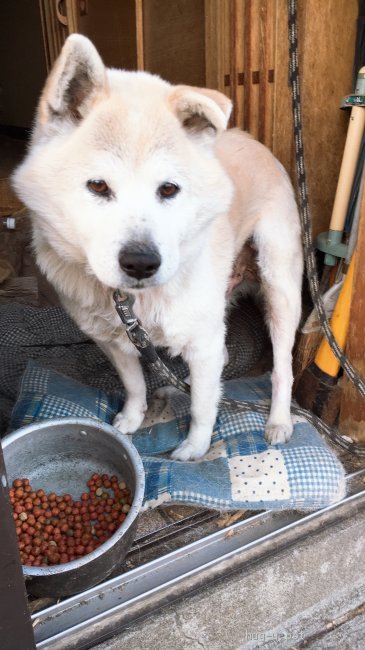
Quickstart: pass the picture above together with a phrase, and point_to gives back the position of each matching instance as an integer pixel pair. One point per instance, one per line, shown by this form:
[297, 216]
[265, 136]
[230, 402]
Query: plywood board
[112, 28]
[174, 40]
[327, 60]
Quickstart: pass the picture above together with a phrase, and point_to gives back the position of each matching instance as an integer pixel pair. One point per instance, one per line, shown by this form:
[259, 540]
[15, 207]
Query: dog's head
[121, 172]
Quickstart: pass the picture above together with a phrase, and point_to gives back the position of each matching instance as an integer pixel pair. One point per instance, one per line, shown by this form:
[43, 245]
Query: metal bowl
[59, 456]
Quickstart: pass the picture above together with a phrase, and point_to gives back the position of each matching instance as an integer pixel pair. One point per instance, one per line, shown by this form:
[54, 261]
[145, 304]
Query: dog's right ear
[76, 80]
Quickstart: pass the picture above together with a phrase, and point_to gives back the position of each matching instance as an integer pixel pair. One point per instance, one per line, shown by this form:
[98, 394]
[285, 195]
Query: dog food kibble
[54, 529]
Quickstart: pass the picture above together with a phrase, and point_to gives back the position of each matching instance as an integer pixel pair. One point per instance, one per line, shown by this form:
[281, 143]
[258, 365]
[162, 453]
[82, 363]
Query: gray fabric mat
[49, 335]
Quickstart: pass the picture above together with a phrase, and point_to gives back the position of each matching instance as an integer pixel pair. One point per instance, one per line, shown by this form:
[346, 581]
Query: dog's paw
[189, 451]
[128, 422]
[278, 433]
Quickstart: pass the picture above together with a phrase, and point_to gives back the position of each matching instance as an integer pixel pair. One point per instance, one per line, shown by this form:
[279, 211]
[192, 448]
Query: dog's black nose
[139, 261]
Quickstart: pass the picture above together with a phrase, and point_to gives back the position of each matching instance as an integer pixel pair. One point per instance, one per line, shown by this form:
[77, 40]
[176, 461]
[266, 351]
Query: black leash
[141, 340]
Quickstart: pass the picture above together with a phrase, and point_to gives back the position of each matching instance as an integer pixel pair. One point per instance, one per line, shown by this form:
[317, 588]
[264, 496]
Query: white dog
[136, 184]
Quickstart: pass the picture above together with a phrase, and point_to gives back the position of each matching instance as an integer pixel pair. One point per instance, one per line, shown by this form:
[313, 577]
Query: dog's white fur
[136, 132]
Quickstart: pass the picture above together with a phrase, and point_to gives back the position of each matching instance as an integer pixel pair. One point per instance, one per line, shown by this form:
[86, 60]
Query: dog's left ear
[201, 111]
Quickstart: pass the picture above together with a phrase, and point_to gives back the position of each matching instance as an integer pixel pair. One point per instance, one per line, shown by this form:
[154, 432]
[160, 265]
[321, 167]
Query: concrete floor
[308, 596]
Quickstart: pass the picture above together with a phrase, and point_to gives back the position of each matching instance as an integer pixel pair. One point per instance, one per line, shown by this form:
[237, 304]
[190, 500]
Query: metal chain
[141, 340]
[246, 406]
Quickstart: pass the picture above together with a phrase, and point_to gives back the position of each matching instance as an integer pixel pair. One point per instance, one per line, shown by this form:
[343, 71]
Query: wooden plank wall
[173, 40]
[240, 51]
[258, 73]
[54, 32]
[251, 46]
[327, 32]
[217, 14]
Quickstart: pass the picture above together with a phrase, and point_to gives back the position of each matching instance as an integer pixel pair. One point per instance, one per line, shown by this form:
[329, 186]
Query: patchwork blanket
[49, 335]
[240, 470]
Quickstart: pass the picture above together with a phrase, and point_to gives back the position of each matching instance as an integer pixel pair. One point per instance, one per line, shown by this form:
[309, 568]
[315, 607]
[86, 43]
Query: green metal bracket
[357, 98]
[331, 243]
[353, 100]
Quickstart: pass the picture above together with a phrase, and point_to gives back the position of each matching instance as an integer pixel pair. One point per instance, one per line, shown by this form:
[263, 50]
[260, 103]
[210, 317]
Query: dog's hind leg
[129, 369]
[280, 262]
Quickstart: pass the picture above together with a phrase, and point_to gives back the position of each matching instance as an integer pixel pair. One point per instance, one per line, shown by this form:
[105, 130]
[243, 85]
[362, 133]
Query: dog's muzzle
[139, 261]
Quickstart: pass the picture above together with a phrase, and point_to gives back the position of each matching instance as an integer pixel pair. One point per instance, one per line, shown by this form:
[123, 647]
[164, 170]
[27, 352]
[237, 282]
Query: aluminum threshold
[96, 614]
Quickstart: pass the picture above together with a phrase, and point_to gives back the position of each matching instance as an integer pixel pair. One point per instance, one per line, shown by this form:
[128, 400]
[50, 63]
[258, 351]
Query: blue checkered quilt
[240, 470]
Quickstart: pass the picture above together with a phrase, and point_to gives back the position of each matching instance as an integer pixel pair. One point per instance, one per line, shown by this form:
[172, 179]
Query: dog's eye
[99, 187]
[168, 190]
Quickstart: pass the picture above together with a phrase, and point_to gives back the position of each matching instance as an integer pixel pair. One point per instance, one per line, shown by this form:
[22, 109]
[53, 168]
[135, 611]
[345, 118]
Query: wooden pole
[352, 413]
[139, 35]
[348, 166]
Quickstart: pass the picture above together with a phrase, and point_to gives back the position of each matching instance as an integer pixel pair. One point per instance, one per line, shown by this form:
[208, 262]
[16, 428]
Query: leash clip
[124, 306]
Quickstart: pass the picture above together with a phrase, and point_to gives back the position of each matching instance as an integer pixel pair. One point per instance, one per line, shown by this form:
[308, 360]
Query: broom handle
[348, 165]
[325, 359]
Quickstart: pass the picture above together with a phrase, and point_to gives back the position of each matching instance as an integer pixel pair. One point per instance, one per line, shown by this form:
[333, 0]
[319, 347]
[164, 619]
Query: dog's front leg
[205, 373]
[130, 372]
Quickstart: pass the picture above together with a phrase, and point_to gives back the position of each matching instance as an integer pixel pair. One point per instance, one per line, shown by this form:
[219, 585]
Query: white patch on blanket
[262, 476]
